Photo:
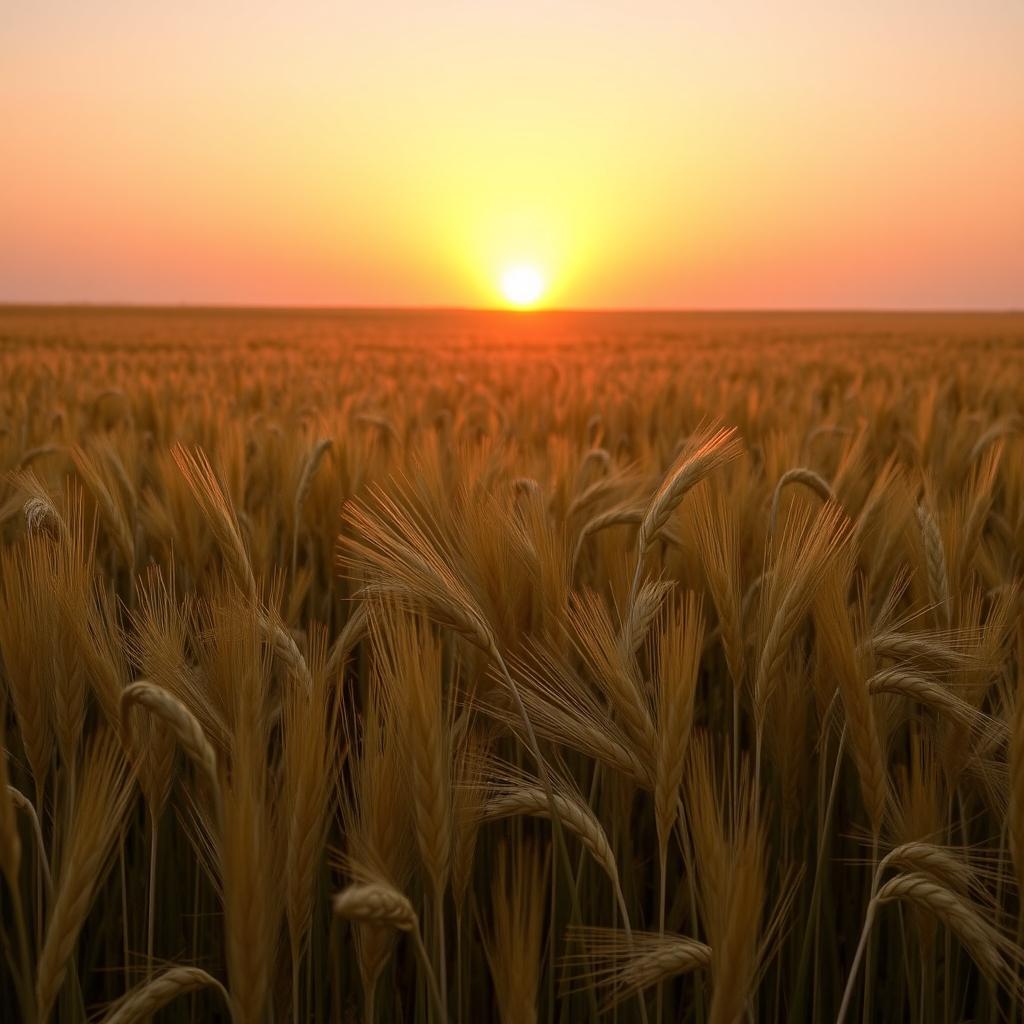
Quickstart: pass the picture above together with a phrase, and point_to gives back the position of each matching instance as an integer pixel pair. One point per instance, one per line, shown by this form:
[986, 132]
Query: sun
[522, 285]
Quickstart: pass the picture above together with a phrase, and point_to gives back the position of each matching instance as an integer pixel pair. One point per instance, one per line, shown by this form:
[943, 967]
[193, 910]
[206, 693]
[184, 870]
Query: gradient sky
[642, 154]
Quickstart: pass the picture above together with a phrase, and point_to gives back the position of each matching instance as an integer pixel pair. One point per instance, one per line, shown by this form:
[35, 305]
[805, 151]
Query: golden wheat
[578, 657]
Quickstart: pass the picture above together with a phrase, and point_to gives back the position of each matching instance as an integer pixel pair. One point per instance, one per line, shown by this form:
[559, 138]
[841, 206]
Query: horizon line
[215, 307]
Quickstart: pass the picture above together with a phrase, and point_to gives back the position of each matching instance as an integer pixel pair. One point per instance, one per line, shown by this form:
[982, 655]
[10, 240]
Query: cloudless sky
[640, 154]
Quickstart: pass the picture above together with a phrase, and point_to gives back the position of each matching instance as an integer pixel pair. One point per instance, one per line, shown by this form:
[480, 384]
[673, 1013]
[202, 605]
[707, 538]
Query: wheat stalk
[180, 720]
[799, 475]
[575, 815]
[627, 965]
[706, 451]
[379, 904]
[95, 821]
[154, 994]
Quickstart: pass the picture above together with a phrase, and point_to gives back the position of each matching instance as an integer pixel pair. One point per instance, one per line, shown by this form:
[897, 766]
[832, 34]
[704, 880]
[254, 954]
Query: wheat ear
[929, 859]
[309, 468]
[575, 816]
[928, 692]
[985, 945]
[150, 996]
[103, 802]
[220, 514]
[628, 965]
[181, 721]
[935, 560]
[706, 451]
[380, 904]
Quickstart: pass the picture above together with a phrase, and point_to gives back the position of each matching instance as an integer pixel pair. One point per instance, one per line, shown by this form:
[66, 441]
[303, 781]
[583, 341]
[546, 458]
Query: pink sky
[660, 154]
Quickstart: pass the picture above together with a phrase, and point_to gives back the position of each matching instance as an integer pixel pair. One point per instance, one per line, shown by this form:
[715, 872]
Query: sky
[642, 154]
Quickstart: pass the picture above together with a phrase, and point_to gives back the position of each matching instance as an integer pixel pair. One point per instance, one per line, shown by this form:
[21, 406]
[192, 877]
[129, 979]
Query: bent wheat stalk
[223, 520]
[150, 996]
[181, 721]
[799, 475]
[705, 452]
[23, 804]
[577, 818]
[309, 468]
[629, 965]
[986, 946]
[378, 903]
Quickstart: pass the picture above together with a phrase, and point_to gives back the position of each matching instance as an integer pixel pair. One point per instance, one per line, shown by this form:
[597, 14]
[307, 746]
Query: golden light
[522, 285]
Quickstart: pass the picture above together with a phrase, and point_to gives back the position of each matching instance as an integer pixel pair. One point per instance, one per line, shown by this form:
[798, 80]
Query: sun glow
[522, 285]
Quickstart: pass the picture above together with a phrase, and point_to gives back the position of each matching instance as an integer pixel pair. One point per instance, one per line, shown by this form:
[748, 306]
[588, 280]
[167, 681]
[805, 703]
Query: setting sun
[522, 286]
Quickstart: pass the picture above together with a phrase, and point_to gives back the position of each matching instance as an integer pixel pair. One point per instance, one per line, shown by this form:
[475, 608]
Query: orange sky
[658, 154]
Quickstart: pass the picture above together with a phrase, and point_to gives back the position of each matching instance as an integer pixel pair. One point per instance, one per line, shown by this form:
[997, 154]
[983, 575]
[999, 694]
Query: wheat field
[484, 667]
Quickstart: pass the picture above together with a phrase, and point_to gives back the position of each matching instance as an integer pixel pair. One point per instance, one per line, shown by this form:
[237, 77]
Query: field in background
[403, 666]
